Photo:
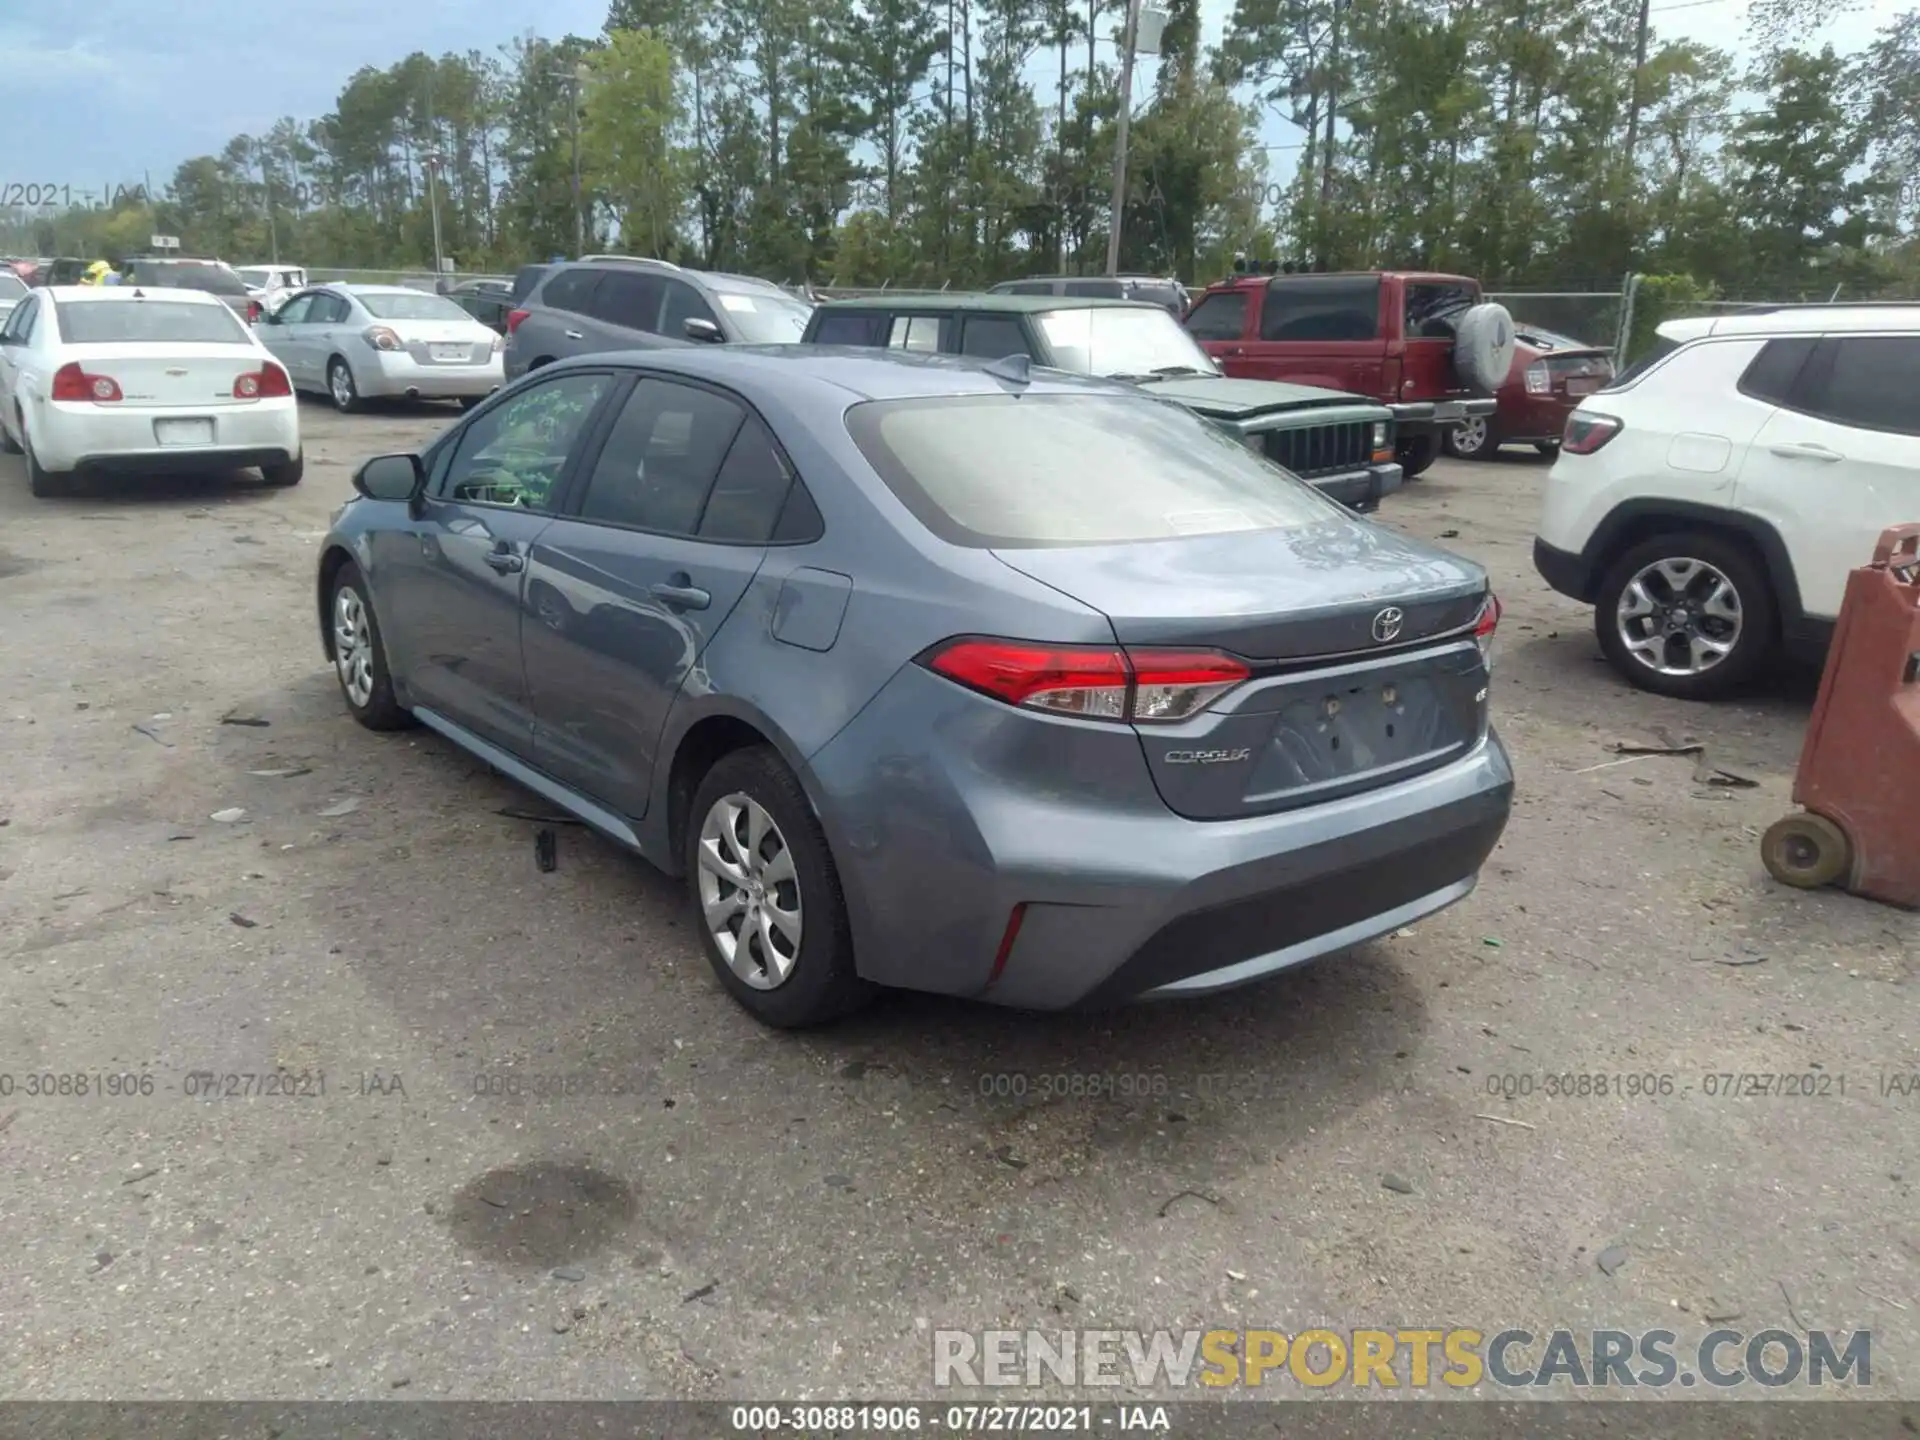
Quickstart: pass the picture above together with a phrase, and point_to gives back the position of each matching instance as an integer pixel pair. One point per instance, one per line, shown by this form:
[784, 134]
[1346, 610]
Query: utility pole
[1333, 106]
[432, 162]
[266, 190]
[572, 77]
[1127, 37]
[1633, 105]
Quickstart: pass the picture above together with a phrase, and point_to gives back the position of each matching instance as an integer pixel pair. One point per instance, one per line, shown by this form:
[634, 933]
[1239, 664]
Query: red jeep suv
[1426, 346]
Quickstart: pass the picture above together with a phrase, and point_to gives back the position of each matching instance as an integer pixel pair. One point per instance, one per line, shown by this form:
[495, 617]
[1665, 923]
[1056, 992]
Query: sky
[101, 96]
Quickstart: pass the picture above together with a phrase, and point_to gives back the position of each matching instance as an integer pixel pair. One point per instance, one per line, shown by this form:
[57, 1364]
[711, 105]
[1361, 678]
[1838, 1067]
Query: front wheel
[340, 385]
[766, 895]
[1471, 439]
[1687, 615]
[1415, 454]
[360, 656]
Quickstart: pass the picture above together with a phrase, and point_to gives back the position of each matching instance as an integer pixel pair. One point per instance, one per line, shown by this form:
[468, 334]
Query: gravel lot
[743, 1214]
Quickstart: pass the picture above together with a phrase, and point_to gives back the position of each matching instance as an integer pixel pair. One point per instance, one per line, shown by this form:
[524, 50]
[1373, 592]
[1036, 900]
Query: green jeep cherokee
[1340, 444]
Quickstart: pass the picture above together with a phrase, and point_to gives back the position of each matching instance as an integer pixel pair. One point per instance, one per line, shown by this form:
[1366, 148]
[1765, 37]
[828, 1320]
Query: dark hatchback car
[933, 674]
[211, 276]
[1340, 444]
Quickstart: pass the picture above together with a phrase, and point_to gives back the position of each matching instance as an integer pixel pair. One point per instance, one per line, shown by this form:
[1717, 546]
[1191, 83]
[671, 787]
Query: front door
[1317, 330]
[626, 589]
[459, 573]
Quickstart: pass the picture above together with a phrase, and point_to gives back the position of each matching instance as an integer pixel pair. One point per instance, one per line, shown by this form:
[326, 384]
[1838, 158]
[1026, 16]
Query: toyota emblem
[1386, 625]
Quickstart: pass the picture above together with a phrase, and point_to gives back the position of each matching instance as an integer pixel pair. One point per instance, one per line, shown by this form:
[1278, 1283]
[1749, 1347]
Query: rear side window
[993, 337]
[1771, 375]
[849, 328]
[749, 492]
[1025, 471]
[1866, 381]
[1662, 348]
[1433, 308]
[571, 290]
[661, 458]
[1026, 287]
[1222, 316]
[1095, 289]
[143, 322]
[1334, 307]
[915, 332]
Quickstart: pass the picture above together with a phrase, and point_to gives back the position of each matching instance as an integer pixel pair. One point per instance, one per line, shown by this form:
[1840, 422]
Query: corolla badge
[1386, 625]
[1206, 757]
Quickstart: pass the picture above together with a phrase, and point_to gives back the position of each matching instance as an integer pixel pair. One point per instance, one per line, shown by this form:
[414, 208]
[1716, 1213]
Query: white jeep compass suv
[1710, 502]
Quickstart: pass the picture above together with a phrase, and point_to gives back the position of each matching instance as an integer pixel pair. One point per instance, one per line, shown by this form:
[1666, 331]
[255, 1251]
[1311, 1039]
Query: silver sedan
[355, 343]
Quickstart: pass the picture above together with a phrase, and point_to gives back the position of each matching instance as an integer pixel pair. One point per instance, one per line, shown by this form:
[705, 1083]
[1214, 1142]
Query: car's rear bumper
[1563, 570]
[1419, 416]
[965, 872]
[73, 437]
[1361, 489]
[391, 377]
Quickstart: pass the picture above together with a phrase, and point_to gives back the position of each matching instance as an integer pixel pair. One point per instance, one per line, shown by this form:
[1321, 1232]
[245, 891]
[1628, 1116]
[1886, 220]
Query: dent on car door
[452, 580]
[626, 588]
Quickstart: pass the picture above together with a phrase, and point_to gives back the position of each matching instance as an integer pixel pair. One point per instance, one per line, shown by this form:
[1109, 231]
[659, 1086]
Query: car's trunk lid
[442, 342]
[198, 376]
[1365, 669]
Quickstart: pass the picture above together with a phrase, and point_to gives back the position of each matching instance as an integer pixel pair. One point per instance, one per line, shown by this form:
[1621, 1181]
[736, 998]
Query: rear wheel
[287, 474]
[346, 394]
[1415, 454]
[42, 482]
[1689, 615]
[1471, 439]
[766, 895]
[9, 445]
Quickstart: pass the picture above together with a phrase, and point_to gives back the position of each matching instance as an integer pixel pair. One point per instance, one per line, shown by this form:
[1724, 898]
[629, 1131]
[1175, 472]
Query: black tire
[823, 984]
[1416, 454]
[1757, 607]
[352, 403]
[9, 445]
[44, 484]
[285, 475]
[1549, 448]
[380, 711]
[468, 402]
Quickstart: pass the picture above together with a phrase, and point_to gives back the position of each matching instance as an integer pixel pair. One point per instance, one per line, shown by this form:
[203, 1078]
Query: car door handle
[505, 562]
[684, 597]
[1232, 350]
[1808, 452]
[575, 335]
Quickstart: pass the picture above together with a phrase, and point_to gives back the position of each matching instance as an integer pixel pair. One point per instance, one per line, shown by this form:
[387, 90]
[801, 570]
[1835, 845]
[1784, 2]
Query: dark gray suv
[611, 302]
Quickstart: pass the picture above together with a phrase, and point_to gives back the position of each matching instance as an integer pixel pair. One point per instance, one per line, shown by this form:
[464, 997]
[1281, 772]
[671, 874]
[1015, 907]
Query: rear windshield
[1029, 471]
[148, 322]
[412, 307]
[215, 279]
[12, 287]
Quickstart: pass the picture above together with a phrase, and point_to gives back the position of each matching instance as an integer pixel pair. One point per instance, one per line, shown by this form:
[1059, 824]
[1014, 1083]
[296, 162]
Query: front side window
[1024, 471]
[683, 304]
[660, 460]
[296, 310]
[328, 310]
[515, 452]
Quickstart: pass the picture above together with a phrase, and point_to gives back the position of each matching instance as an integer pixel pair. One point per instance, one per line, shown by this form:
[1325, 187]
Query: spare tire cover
[1483, 346]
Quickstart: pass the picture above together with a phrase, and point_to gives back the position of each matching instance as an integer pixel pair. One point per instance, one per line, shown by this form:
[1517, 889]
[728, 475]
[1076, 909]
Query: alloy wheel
[1470, 436]
[1679, 616]
[749, 891]
[353, 646]
[340, 382]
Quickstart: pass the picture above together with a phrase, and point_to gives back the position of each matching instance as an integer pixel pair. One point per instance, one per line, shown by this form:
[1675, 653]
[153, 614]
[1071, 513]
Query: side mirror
[705, 330]
[391, 477]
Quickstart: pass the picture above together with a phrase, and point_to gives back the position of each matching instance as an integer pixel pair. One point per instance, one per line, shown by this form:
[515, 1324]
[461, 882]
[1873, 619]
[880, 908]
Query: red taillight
[1587, 433]
[1092, 682]
[265, 384]
[70, 382]
[1484, 627]
[514, 317]
[253, 311]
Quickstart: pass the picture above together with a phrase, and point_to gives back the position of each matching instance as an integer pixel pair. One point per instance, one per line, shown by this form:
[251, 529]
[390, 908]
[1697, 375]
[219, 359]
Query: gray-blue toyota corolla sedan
[921, 672]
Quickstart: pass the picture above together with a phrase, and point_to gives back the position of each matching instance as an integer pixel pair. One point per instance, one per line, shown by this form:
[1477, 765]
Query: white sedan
[133, 382]
[355, 343]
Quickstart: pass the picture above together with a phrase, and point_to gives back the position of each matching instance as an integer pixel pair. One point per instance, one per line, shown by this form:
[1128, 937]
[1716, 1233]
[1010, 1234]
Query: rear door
[1839, 461]
[661, 537]
[625, 313]
[1318, 330]
[458, 573]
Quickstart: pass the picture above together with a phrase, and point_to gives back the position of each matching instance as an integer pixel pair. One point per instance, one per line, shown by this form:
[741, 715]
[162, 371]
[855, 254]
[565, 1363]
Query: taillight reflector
[1587, 433]
[265, 384]
[1088, 682]
[1484, 627]
[70, 382]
